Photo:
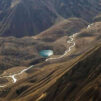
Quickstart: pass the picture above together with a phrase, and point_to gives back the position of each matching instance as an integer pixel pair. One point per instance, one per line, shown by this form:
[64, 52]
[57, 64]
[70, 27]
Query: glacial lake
[46, 53]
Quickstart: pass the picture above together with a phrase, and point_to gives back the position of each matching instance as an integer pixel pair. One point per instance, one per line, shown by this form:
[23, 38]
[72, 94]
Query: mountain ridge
[30, 17]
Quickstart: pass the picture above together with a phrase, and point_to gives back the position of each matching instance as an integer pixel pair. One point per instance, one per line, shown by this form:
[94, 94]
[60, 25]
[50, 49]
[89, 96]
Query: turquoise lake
[46, 53]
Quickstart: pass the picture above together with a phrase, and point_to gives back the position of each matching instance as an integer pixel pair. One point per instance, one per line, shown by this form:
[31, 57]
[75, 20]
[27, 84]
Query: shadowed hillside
[97, 18]
[81, 83]
[30, 17]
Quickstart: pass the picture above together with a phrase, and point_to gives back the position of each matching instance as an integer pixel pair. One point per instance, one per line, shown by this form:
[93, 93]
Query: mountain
[25, 51]
[71, 29]
[66, 27]
[81, 83]
[75, 77]
[30, 17]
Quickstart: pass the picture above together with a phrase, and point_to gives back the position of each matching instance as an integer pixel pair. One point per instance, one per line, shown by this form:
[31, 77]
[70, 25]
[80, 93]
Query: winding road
[13, 77]
[71, 41]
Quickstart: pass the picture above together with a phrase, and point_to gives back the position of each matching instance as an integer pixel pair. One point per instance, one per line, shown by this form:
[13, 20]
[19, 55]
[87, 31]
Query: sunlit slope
[25, 51]
[74, 80]
[65, 27]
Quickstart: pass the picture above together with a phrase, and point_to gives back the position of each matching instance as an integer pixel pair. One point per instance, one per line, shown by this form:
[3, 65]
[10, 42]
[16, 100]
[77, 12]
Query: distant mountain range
[30, 17]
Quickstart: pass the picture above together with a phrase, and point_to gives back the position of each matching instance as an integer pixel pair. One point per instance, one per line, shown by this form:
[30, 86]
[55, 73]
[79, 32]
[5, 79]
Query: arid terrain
[71, 29]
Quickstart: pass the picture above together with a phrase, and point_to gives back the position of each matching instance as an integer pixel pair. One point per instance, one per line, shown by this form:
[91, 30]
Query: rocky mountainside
[23, 51]
[29, 17]
[97, 18]
[71, 29]
[81, 83]
[77, 79]
[64, 28]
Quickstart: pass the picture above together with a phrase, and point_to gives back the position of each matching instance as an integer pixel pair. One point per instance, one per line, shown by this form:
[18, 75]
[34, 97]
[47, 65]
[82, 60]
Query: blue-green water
[46, 53]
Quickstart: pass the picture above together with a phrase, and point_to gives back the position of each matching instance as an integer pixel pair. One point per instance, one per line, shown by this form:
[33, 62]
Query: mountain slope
[26, 19]
[75, 77]
[75, 80]
[64, 28]
[23, 51]
[81, 83]
[29, 17]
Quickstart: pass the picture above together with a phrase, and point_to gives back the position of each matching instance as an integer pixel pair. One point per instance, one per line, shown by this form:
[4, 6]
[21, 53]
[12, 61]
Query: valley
[53, 65]
[50, 50]
[13, 76]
